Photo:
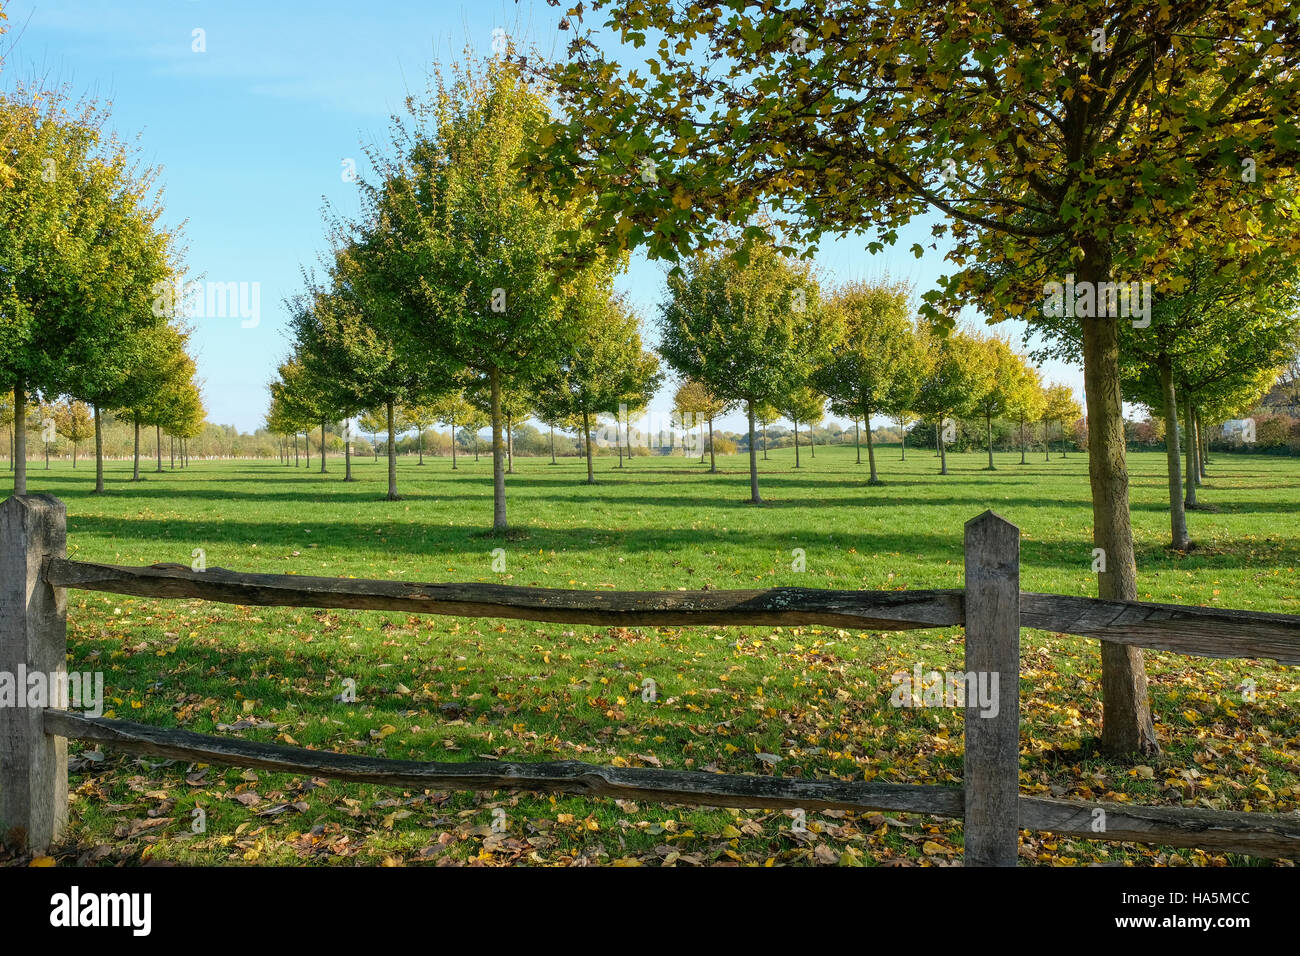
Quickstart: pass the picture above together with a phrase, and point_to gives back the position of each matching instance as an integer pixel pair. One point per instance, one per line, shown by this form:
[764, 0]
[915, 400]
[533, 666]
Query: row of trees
[459, 290]
[757, 332]
[83, 259]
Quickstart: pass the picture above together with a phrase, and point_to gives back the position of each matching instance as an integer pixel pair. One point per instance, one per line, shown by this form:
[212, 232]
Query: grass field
[817, 698]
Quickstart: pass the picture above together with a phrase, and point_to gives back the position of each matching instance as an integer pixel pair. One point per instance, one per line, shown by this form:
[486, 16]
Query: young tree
[1026, 404]
[81, 255]
[300, 397]
[802, 404]
[1009, 376]
[474, 260]
[749, 328]
[74, 422]
[598, 372]
[372, 422]
[1059, 408]
[766, 415]
[956, 377]
[874, 366]
[448, 410]
[694, 396]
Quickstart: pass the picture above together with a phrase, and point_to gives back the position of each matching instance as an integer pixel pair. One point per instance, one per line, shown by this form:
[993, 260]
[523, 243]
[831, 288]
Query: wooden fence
[34, 573]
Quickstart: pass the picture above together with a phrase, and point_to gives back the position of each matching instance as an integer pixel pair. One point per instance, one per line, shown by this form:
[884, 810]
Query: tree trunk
[902, 446]
[1189, 437]
[874, 479]
[135, 476]
[943, 450]
[796, 443]
[510, 445]
[20, 438]
[988, 437]
[753, 459]
[295, 449]
[1047, 447]
[627, 436]
[554, 462]
[1202, 444]
[157, 437]
[498, 452]
[322, 446]
[1126, 723]
[392, 454]
[1196, 432]
[713, 458]
[347, 458]
[586, 431]
[1177, 514]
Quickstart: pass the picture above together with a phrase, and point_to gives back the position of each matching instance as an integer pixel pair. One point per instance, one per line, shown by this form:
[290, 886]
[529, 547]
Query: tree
[1125, 134]
[1009, 376]
[694, 396]
[766, 415]
[955, 379]
[74, 422]
[1026, 404]
[161, 369]
[350, 352]
[598, 371]
[372, 422]
[643, 377]
[750, 328]
[448, 410]
[873, 367]
[1059, 408]
[299, 396]
[470, 256]
[802, 404]
[81, 256]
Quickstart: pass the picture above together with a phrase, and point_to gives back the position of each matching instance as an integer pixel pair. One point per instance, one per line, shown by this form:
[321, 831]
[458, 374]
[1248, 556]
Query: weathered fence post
[991, 767]
[33, 639]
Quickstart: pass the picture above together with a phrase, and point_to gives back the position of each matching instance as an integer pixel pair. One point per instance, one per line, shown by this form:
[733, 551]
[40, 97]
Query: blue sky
[252, 133]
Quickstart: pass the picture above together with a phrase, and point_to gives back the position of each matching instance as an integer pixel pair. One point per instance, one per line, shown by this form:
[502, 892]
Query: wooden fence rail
[34, 574]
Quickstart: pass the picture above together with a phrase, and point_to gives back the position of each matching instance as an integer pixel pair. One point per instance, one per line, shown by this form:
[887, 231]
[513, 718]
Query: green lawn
[442, 688]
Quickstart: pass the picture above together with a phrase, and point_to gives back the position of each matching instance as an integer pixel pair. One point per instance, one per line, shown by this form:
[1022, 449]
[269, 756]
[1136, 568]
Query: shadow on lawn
[438, 544]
